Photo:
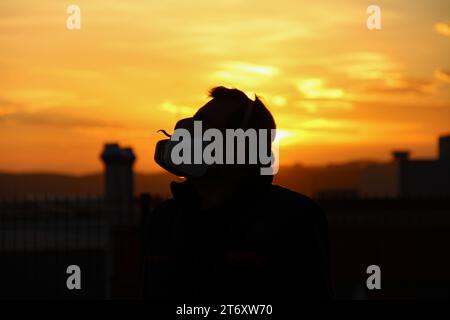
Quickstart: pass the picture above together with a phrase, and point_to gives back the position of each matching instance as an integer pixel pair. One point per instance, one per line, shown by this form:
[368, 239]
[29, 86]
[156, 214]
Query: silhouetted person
[231, 233]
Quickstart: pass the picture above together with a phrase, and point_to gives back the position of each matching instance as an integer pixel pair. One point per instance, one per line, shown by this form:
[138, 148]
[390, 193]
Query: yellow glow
[241, 67]
[178, 110]
[137, 66]
[286, 137]
[314, 89]
[443, 28]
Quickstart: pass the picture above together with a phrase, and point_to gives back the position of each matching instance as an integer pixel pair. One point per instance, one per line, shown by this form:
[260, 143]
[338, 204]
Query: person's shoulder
[293, 198]
[295, 204]
[166, 205]
[163, 214]
[166, 208]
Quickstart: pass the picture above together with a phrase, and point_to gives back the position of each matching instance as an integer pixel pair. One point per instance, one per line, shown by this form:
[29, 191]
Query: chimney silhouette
[118, 176]
[400, 155]
[444, 148]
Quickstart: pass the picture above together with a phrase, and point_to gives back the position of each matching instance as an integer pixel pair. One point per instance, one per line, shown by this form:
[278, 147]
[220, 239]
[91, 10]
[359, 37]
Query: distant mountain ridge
[307, 180]
[25, 184]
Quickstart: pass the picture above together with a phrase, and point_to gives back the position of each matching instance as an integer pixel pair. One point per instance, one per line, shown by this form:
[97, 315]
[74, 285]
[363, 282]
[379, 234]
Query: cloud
[243, 74]
[9, 107]
[314, 89]
[360, 65]
[60, 116]
[67, 72]
[442, 75]
[442, 28]
[243, 67]
[169, 107]
[273, 100]
[33, 99]
[57, 120]
[313, 106]
[397, 84]
[330, 125]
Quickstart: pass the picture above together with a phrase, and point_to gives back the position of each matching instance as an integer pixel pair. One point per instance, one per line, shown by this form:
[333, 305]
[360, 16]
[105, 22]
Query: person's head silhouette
[228, 109]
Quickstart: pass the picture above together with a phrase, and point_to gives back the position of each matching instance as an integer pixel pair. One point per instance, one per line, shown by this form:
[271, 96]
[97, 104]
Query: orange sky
[338, 91]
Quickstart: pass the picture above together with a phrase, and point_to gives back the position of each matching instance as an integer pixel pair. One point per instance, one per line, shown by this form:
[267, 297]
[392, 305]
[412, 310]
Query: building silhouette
[406, 177]
[118, 174]
[41, 235]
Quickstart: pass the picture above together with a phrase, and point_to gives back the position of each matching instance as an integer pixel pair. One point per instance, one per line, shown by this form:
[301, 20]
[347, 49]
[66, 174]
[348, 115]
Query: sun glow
[138, 66]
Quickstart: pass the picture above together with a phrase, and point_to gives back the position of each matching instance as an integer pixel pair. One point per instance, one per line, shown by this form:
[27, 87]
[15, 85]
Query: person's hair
[258, 118]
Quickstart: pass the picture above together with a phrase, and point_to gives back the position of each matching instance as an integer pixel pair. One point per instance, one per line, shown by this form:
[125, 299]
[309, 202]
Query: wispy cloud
[243, 74]
[442, 75]
[67, 72]
[34, 99]
[42, 113]
[315, 89]
[402, 84]
[9, 107]
[360, 65]
[57, 119]
[178, 110]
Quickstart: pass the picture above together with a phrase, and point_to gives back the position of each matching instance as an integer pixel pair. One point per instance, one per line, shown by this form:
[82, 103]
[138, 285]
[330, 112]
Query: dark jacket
[267, 242]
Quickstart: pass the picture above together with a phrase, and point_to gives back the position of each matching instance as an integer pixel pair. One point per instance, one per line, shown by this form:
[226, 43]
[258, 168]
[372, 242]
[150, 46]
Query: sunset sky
[338, 91]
